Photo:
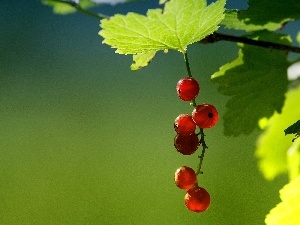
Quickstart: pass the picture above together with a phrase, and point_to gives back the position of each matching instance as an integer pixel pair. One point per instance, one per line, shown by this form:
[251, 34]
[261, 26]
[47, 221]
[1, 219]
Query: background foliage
[82, 143]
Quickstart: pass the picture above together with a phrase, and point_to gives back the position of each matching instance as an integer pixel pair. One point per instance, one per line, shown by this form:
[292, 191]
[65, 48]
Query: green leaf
[293, 160]
[64, 7]
[256, 83]
[142, 60]
[180, 23]
[288, 211]
[274, 150]
[233, 20]
[263, 15]
[261, 12]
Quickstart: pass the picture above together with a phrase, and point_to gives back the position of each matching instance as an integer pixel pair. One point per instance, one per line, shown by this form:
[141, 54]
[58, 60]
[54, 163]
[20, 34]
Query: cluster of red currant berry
[187, 141]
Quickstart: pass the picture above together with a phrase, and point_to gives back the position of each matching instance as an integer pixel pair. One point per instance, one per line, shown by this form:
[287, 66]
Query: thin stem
[187, 65]
[204, 147]
[215, 37]
[82, 10]
[201, 133]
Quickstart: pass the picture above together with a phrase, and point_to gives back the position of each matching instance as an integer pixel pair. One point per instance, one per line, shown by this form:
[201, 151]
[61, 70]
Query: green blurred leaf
[256, 81]
[180, 23]
[142, 60]
[288, 211]
[64, 7]
[270, 15]
[273, 147]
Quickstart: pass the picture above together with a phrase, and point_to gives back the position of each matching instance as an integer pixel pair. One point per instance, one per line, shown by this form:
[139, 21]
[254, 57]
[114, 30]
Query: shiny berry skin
[205, 115]
[186, 145]
[197, 199]
[184, 124]
[187, 89]
[185, 177]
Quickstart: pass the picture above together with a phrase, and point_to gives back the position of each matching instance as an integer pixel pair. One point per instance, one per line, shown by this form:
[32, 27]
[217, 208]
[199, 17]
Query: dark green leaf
[263, 15]
[232, 20]
[256, 83]
[261, 12]
[293, 129]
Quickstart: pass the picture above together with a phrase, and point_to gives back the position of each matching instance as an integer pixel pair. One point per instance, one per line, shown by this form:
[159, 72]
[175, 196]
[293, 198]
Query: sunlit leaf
[293, 160]
[273, 147]
[287, 212]
[142, 60]
[180, 23]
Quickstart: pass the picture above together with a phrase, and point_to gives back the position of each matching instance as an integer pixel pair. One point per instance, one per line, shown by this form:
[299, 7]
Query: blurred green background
[86, 141]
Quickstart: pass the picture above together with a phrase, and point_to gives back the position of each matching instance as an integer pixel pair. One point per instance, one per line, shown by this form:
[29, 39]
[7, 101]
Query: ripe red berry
[184, 124]
[205, 115]
[185, 177]
[197, 199]
[186, 145]
[187, 88]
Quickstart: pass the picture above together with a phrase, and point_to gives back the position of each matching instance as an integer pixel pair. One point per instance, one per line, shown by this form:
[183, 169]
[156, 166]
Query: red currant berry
[187, 88]
[184, 124]
[197, 199]
[185, 177]
[186, 145]
[205, 115]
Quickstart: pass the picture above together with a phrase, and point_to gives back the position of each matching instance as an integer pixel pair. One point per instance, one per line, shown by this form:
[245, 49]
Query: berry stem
[204, 147]
[201, 133]
[187, 65]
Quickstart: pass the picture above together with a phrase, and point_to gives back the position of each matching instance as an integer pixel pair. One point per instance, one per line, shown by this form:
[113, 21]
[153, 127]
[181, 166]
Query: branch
[215, 37]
